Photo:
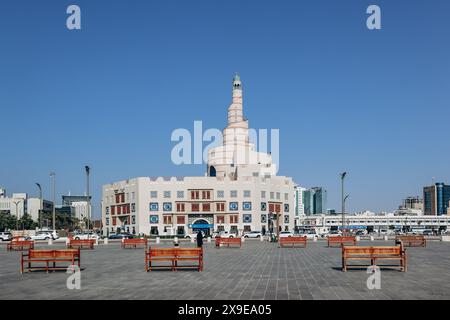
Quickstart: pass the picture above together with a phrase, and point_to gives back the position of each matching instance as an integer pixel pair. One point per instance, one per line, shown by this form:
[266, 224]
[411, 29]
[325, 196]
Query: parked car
[86, 236]
[120, 236]
[193, 235]
[309, 235]
[335, 233]
[253, 234]
[41, 235]
[226, 234]
[6, 236]
[286, 234]
[428, 232]
[53, 233]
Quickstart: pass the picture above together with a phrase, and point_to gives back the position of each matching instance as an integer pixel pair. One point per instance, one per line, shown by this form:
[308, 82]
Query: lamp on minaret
[237, 84]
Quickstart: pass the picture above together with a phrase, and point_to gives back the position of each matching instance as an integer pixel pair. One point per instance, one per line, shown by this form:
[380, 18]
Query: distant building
[80, 205]
[436, 199]
[410, 206]
[19, 204]
[299, 205]
[314, 201]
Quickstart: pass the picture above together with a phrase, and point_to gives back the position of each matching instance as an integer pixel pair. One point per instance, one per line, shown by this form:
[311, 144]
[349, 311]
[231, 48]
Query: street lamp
[41, 207]
[53, 176]
[342, 197]
[88, 170]
[16, 203]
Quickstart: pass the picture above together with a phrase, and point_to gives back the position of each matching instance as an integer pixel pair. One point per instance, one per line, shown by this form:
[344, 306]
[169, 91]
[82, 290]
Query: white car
[253, 234]
[41, 235]
[286, 234]
[6, 236]
[226, 234]
[86, 236]
[193, 235]
[308, 235]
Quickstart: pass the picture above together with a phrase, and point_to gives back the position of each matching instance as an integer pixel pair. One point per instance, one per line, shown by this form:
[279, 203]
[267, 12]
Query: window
[195, 207]
[133, 207]
[180, 207]
[195, 195]
[167, 206]
[206, 207]
[180, 194]
[113, 210]
[181, 220]
[263, 206]
[133, 219]
[220, 194]
[154, 219]
[220, 207]
[206, 195]
[220, 219]
[272, 195]
[107, 210]
[127, 196]
[154, 206]
[167, 194]
[263, 218]
[256, 174]
[247, 218]
[286, 208]
[234, 218]
[107, 221]
[119, 210]
[153, 194]
[234, 206]
[286, 219]
[247, 193]
[263, 194]
[167, 219]
[114, 219]
[278, 196]
[286, 196]
[247, 206]
[133, 196]
[233, 194]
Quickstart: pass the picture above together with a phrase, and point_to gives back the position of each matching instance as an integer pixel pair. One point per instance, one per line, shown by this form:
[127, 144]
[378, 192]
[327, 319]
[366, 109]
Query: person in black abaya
[199, 239]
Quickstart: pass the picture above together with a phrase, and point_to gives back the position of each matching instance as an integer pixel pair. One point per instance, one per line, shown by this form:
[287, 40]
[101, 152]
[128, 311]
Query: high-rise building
[436, 199]
[314, 201]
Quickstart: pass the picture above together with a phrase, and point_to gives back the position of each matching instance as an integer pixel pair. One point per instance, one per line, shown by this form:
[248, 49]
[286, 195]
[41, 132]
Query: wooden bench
[134, 243]
[70, 256]
[20, 245]
[341, 240]
[87, 243]
[412, 241]
[228, 242]
[292, 241]
[374, 254]
[173, 256]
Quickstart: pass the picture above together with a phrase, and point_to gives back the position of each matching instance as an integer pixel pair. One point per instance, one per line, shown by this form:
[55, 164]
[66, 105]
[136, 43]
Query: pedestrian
[199, 239]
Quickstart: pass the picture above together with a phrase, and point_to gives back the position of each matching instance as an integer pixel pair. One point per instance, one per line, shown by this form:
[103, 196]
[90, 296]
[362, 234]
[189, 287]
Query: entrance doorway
[203, 226]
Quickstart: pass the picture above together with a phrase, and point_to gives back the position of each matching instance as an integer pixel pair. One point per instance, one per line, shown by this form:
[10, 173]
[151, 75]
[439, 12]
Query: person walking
[199, 239]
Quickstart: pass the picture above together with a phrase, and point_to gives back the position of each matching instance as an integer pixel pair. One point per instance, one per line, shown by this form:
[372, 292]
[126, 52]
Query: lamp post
[16, 203]
[88, 170]
[53, 176]
[342, 198]
[41, 206]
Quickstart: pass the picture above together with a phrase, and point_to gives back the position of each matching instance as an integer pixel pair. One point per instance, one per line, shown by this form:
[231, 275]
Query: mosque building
[240, 192]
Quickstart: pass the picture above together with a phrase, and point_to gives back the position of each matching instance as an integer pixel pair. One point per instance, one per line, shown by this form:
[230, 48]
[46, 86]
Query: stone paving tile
[259, 270]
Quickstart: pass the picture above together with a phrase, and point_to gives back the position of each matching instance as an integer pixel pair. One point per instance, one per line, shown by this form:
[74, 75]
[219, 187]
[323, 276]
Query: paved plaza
[259, 270]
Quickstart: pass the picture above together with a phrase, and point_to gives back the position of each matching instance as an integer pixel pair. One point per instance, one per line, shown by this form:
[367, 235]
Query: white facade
[19, 204]
[377, 221]
[240, 192]
[81, 210]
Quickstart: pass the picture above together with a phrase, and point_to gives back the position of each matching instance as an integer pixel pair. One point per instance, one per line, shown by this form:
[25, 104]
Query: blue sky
[374, 103]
